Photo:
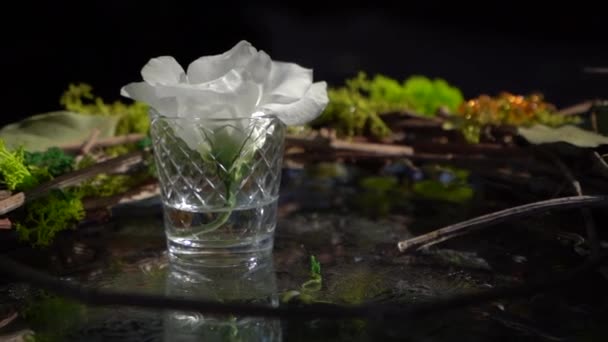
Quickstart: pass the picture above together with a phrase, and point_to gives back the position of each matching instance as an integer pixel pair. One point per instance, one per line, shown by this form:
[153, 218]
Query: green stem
[313, 285]
[230, 178]
[220, 220]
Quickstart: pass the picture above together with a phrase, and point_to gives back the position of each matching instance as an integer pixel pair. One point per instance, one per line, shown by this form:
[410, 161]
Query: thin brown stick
[487, 220]
[106, 142]
[70, 179]
[78, 176]
[490, 149]
[592, 237]
[576, 109]
[321, 143]
[140, 192]
[415, 123]
[5, 223]
[601, 163]
[88, 145]
[11, 203]
[6, 321]
[594, 124]
[372, 148]
[4, 194]
[422, 151]
[437, 147]
[595, 70]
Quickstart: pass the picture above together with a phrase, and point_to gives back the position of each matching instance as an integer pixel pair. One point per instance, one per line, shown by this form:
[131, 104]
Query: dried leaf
[40, 132]
[540, 134]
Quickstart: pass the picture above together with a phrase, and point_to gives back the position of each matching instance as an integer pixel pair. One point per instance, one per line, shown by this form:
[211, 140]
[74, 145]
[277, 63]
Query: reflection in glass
[253, 283]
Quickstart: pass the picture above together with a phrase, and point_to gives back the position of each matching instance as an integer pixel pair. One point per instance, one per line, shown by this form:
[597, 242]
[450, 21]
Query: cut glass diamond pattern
[198, 180]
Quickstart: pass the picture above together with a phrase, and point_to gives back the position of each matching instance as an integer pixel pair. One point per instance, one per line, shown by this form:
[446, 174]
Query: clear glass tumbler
[219, 181]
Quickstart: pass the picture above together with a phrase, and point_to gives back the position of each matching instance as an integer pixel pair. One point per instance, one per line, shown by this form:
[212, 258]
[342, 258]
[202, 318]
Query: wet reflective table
[350, 221]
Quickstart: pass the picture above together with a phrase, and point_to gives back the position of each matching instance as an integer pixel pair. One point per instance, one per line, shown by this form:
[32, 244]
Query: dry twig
[5, 223]
[6, 321]
[88, 145]
[70, 179]
[576, 109]
[592, 236]
[78, 176]
[4, 194]
[325, 144]
[11, 203]
[140, 192]
[601, 163]
[462, 228]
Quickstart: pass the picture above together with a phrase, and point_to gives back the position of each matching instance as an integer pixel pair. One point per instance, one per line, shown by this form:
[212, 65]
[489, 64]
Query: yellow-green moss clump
[134, 118]
[356, 108]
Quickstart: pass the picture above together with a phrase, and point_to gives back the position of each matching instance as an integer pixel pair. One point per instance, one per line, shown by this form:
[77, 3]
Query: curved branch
[510, 214]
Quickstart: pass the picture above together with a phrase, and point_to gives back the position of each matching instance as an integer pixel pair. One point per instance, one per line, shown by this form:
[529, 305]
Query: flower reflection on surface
[253, 283]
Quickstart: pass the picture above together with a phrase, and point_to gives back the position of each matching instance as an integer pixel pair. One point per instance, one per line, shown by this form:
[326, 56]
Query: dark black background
[479, 47]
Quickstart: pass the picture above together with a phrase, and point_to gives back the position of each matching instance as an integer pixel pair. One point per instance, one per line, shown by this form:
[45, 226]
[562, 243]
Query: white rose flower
[240, 83]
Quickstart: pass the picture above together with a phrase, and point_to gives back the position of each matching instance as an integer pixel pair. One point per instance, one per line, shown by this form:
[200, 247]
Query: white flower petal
[196, 108]
[192, 134]
[234, 84]
[143, 92]
[306, 109]
[204, 102]
[209, 68]
[163, 70]
[259, 67]
[286, 82]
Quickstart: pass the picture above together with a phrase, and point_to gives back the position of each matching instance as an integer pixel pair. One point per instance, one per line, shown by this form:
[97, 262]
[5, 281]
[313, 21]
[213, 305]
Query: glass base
[251, 283]
[220, 254]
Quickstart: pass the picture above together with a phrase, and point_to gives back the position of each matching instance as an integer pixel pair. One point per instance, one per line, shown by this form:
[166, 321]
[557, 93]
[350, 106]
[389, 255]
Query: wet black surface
[326, 212]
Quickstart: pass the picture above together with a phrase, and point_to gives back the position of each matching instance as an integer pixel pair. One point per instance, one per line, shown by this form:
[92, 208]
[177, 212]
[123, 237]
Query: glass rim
[156, 115]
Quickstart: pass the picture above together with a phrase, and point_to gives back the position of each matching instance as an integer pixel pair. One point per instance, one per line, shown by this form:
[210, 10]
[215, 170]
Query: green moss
[104, 185]
[386, 90]
[14, 172]
[351, 112]
[118, 150]
[134, 118]
[356, 108]
[427, 96]
[55, 160]
[86, 161]
[47, 216]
